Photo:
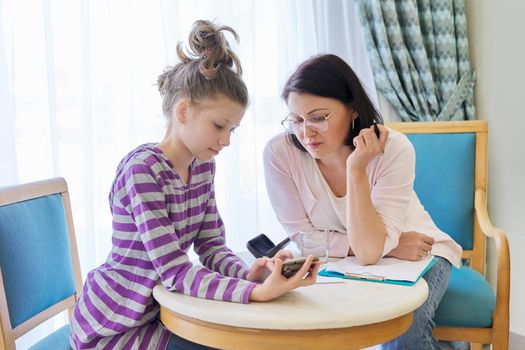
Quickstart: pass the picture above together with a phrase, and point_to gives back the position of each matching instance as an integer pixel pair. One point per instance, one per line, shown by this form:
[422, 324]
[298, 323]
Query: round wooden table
[349, 315]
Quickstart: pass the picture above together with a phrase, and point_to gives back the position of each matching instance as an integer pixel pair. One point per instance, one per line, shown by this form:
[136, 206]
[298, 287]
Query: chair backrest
[451, 162]
[39, 267]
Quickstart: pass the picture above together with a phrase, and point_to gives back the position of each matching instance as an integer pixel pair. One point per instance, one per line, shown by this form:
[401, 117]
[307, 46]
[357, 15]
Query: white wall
[497, 47]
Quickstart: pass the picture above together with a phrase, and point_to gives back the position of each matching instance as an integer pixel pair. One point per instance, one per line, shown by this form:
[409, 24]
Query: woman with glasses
[336, 169]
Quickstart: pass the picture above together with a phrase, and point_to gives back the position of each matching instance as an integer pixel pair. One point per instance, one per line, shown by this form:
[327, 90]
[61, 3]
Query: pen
[365, 276]
[376, 129]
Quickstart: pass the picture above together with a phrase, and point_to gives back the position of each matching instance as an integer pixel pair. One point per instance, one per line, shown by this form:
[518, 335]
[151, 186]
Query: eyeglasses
[296, 124]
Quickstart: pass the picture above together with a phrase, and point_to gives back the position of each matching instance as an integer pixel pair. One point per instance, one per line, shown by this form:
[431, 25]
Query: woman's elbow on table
[369, 257]
[367, 252]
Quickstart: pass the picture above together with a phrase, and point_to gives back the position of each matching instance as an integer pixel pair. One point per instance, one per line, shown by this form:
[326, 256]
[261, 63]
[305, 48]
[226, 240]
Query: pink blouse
[303, 201]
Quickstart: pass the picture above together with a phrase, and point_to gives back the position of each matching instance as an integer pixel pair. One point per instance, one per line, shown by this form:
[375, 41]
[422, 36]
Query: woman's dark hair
[330, 76]
[209, 67]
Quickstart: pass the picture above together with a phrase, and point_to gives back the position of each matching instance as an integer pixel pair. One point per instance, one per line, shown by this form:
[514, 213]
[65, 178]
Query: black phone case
[260, 245]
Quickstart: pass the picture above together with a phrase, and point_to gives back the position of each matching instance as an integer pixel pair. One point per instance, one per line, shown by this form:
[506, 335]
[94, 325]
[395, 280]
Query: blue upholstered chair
[451, 182]
[39, 268]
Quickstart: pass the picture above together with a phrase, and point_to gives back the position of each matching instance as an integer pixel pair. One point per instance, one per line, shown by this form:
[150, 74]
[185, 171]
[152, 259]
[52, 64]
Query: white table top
[320, 306]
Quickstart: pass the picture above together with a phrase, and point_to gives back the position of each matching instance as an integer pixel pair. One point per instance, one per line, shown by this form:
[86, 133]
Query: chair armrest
[501, 314]
[500, 238]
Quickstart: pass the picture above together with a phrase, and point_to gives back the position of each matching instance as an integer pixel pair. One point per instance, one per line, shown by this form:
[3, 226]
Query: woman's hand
[367, 147]
[259, 271]
[412, 246]
[276, 284]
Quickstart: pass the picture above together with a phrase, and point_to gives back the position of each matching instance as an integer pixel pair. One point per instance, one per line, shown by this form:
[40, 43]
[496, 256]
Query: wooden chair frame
[498, 335]
[14, 194]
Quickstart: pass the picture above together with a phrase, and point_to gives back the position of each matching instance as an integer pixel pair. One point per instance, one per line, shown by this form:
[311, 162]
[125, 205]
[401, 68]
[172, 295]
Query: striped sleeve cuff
[249, 286]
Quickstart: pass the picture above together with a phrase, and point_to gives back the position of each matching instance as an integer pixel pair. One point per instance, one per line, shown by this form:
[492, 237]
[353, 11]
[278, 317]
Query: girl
[336, 170]
[163, 202]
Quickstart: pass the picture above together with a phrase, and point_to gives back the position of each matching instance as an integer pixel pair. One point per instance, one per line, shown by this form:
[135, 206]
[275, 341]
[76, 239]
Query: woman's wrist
[356, 172]
[356, 180]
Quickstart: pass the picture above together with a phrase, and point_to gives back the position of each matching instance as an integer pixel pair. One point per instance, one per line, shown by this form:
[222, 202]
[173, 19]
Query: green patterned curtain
[419, 55]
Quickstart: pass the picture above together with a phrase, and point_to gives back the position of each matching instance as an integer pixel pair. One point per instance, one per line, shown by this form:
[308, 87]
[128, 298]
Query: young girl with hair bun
[163, 202]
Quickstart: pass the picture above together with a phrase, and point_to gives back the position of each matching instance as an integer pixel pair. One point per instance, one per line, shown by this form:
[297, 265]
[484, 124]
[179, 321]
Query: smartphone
[291, 266]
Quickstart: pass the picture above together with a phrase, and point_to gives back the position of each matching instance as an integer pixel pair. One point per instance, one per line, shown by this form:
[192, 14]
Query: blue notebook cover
[326, 273]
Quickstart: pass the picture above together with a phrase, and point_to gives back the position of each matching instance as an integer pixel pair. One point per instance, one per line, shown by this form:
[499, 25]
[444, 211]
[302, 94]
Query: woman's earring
[353, 123]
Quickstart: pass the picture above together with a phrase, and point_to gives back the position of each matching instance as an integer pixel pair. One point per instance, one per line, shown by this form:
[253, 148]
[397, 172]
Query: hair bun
[208, 46]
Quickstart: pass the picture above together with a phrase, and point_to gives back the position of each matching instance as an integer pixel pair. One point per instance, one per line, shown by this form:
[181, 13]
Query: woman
[337, 170]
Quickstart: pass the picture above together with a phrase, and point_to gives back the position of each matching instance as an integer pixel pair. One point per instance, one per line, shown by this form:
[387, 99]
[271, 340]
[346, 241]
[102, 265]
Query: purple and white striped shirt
[156, 219]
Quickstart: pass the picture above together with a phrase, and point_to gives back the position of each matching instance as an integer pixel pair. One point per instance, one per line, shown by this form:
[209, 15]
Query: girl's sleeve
[287, 203]
[393, 186]
[210, 244]
[146, 203]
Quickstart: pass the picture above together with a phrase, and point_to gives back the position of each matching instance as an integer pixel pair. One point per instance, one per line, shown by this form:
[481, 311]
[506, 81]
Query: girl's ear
[181, 110]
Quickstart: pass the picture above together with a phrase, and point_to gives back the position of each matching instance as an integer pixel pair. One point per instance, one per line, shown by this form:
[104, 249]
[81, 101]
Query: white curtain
[77, 93]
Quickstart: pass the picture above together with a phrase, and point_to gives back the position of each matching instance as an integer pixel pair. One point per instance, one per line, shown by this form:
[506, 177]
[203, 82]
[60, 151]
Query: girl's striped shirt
[156, 219]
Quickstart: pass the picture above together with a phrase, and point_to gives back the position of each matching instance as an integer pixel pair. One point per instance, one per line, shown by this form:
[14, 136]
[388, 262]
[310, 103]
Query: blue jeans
[179, 343]
[419, 335]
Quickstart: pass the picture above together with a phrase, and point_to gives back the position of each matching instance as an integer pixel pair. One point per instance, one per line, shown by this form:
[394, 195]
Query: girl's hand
[367, 147]
[260, 271]
[276, 284]
[284, 255]
[412, 246]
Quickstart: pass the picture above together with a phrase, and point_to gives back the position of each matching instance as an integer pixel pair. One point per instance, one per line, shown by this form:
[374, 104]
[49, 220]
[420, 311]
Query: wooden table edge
[239, 338]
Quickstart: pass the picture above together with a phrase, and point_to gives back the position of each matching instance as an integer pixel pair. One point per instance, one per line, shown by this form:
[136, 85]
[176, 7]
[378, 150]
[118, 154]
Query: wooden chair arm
[501, 314]
[500, 238]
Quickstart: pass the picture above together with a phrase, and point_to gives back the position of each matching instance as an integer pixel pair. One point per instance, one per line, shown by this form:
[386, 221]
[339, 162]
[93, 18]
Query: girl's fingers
[261, 262]
[270, 264]
[304, 269]
[276, 265]
[312, 275]
[284, 254]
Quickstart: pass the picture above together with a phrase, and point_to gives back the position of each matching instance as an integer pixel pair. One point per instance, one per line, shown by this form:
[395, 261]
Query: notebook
[386, 270]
